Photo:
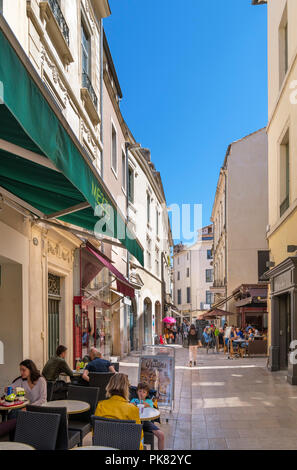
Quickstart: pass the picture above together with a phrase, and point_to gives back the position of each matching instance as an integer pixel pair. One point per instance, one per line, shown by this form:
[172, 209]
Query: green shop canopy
[68, 180]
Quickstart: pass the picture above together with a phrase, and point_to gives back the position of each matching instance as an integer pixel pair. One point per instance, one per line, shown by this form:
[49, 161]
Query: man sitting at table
[239, 334]
[55, 366]
[97, 364]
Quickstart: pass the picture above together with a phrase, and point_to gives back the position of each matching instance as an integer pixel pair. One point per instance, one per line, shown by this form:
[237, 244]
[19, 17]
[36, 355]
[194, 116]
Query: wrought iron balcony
[86, 83]
[55, 7]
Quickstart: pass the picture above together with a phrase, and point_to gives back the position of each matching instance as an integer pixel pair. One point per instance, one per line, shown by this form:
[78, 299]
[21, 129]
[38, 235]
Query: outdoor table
[149, 414]
[95, 448]
[73, 406]
[15, 446]
[78, 373]
[5, 409]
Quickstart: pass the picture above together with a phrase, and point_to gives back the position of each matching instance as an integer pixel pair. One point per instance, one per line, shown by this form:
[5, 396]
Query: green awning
[28, 121]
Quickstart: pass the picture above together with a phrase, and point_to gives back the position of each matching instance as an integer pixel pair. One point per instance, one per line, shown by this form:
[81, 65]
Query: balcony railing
[86, 83]
[284, 206]
[55, 7]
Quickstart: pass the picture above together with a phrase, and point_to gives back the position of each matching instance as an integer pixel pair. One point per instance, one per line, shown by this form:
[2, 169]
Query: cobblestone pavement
[227, 404]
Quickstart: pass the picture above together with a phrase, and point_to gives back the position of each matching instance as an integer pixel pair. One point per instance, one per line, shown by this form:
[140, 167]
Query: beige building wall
[240, 217]
[282, 118]
[247, 207]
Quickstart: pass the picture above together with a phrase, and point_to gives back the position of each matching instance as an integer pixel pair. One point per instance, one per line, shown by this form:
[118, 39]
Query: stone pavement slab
[224, 404]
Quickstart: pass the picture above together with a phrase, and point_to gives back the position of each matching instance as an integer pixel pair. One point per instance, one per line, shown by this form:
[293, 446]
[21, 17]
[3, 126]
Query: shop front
[283, 293]
[97, 305]
[251, 305]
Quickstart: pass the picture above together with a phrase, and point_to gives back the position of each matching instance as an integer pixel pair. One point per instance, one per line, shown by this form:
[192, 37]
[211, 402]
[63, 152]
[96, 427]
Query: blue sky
[194, 78]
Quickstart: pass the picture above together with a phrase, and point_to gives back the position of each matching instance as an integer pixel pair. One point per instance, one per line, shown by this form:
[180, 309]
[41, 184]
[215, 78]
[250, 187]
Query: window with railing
[57, 12]
[86, 83]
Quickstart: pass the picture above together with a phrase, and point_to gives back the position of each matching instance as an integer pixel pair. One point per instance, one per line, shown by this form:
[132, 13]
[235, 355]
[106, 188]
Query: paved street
[228, 404]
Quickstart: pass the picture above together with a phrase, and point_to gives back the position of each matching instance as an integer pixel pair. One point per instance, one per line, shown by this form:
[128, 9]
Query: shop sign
[282, 282]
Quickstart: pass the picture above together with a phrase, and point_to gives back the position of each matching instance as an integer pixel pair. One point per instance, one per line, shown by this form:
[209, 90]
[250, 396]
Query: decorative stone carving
[60, 252]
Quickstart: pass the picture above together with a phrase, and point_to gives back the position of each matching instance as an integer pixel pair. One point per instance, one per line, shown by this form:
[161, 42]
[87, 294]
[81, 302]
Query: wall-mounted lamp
[270, 264]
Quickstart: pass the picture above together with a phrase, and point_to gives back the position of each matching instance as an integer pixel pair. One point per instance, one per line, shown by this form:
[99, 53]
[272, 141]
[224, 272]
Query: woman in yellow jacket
[117, 405]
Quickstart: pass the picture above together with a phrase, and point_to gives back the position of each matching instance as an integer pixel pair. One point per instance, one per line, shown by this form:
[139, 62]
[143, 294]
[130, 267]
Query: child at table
[142, 393]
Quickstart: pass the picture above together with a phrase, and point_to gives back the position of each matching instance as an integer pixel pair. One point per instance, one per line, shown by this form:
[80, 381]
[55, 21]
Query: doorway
[54, 300]
[284, 329]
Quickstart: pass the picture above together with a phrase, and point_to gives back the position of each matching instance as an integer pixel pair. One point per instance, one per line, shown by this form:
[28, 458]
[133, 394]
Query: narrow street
[227, 404]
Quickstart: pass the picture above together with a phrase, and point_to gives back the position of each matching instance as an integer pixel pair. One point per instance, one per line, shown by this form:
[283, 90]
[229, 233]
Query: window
[187, 256]
[178, 275]
[157, 222]
[283, 47]
[209, 298]
[131, 185]
[285, 174]
[123, 170]
[188, 272]
[188, 295]
[86, 51]
[114, 157]
[263, 257]
[148, 206]
[209, 254]
[179, 296]
[157, 268]
[149, 254]
[209, 275]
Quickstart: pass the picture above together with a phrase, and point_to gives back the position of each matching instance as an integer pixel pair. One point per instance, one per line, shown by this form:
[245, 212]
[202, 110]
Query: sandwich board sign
[157, 370]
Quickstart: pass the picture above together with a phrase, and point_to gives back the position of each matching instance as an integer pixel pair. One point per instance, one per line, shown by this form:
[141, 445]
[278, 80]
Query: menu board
[158, 373]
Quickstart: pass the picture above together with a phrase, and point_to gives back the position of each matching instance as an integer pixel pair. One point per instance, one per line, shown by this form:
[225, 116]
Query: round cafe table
[73, 406]
[149, 414]
[15, 446]
[5, 409]
[95, 448]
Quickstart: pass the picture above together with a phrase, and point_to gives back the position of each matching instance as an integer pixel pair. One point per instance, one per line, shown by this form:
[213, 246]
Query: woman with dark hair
[32, 382]
[193, 341]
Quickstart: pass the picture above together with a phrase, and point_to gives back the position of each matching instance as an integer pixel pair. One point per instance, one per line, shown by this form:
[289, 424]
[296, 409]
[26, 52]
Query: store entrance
[284, 329]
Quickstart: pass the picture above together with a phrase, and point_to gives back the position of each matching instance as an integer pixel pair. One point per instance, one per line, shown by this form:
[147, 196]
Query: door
[54, 299]
[284, 330]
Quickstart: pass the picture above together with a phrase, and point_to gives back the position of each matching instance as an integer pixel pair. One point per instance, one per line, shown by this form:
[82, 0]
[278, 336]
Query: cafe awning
[41, 161]
[215, 313]
[123, 286]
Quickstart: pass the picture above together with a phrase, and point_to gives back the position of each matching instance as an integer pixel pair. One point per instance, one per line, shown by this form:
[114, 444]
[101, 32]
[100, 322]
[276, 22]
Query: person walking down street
[193, 345]
[216, 335]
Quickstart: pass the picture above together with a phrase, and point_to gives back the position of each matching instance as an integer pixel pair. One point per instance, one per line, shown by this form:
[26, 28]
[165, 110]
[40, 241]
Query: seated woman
[117, 405]
[32, 382]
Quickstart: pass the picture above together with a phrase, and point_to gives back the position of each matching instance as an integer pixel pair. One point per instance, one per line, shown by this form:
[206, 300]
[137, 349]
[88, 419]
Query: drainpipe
[101, 96]
[226, 234]
[163, 258]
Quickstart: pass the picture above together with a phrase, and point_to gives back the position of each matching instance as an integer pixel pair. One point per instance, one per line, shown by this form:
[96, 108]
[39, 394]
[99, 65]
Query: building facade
[282, 185]
[193, 275]
[239, 215]
[64, 233]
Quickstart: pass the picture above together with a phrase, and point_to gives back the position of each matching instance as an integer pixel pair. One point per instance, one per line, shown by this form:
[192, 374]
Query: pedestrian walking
[193, 345]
